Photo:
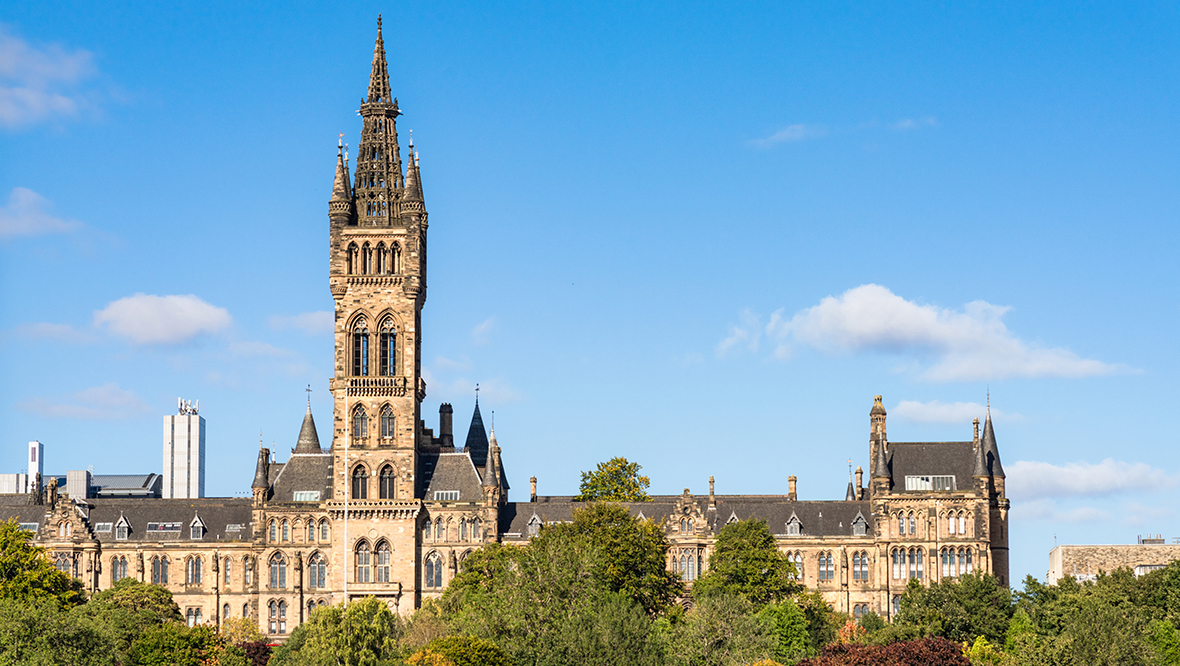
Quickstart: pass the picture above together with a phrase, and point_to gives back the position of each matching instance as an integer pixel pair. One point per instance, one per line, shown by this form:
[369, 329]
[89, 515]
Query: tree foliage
[615, 480]
[746, 561]
[27, 574]
[924, 652]
[960, 609]
[37, 631]
[365, 633]
[790, 628]
[720, 630]
[462, 651]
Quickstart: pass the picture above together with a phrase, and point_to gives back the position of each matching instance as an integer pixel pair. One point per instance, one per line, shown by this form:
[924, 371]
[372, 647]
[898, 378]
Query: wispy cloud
[1046, 510]
[481, 334]
[492, 391]
[58, 332]
[967, 345]
[745, 335]
[452, 365]
[106, 402]
[41, 82]
[311, 323]
[1029, 480]
[28, 214]
[149, 319]
[908, 124]
[791, 134]
[946, 412]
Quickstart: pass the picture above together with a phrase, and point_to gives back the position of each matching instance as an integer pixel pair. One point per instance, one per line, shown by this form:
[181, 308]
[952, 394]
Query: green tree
[615, 480]
[173, 644]
[720, 630]
[129, 608]
[1164, 638]
[27, 574]
[823, 623]
[630, 553]
[746, 561]
[365, 633]
[37, 631]
[789, 626]
[469, 651]
[960, 609]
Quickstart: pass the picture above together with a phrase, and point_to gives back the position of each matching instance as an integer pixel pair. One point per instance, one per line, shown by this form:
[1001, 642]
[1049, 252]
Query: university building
[391, 507]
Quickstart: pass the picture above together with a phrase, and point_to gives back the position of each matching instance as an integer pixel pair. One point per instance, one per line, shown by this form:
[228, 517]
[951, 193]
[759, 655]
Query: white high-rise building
[36, 464]
[184, 452]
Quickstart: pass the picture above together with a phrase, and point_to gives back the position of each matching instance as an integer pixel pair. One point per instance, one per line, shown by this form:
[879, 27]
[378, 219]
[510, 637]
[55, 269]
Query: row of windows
[859, 526]
[280, 530]
[360, 422]
[374, 260]
[687, 566]
[956, 523]
[468, 530]
[387, 356]
[859, 611]
[901, 557]
[386, 486]
[955, 562]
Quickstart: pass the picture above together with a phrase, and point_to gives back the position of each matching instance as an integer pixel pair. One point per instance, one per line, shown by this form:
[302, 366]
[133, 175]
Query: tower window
[360, 423]
[360, 483]
[387, 482]
[387, 422]
[362, 562]
[382, 562]
[388, 350]
[434, 566]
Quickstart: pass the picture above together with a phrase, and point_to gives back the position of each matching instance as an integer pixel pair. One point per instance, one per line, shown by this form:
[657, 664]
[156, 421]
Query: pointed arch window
[900, 524]
[387, 422]
[323, 529]
[317, 572]
[794, 527]
[381, 560]
[860, 565]
[962, 524]
[463, 530]
[360, 349]
[278, 572]
[225, 567]
[382, 264]
[360, 422]
[362, 560]
[286, 531]
[387, 482]
[118, 569]
[360, 483]
[950, 524]
[796, 558]
[350, 259]
[387, 349]
[367, 259]
[434, 567]
[193, 571]
[310, 530]
[273, 532]
[475, 533]
[913, 524]
[160, 570]
[827, 566]
[395, 259]
[225, 612]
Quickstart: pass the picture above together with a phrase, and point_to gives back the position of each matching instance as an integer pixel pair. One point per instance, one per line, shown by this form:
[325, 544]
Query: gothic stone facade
[390, 509]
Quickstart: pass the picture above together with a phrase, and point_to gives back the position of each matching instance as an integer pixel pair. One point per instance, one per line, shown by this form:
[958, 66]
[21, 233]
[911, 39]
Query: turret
[309, 440]
[340, 206]
[261, 476]
[990, 449]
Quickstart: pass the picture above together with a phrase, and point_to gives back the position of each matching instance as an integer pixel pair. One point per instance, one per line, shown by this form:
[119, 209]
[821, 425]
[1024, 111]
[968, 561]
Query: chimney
[860, 486]
[533, 489]
[445, 426]
[712, 497]
[791, 495]
[976, 424]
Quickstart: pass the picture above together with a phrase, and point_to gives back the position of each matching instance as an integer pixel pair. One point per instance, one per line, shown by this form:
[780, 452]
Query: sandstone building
[390, 508]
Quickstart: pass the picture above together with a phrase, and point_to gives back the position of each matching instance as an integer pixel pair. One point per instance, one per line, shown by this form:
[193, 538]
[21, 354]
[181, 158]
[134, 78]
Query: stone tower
[377, 277]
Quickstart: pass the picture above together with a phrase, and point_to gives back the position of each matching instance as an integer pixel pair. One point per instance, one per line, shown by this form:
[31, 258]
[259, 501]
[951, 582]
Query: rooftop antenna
[308, 389]
[477, 395]
[850, 470]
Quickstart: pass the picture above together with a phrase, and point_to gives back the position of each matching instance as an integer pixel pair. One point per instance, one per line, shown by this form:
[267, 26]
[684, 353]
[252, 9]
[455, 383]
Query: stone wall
[1084, 562]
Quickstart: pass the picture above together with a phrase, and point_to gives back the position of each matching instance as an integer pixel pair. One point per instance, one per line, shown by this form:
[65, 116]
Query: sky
[700, 236]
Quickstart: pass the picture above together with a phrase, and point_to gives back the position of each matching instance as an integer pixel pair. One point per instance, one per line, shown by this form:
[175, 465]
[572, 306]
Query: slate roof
[932, 458]
[21, 508]
[477, 439]
[215, 513]
[309, 441]
[303, 471]
[818, 519]
[455, 471]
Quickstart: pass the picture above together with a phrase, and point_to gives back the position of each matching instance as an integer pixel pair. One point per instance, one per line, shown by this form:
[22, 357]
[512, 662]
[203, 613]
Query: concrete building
[1085, 562]
[390, 508]
[184, 453]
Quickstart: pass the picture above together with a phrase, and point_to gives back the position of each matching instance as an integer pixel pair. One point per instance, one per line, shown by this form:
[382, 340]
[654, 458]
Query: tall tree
[616, 480]
[365, 632]
[27, 574]
[746, 561]
[960, 609]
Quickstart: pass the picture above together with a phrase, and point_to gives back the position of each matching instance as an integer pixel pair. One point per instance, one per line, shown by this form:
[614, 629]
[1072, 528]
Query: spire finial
[477, 395]
[308, 389]
[259, 440]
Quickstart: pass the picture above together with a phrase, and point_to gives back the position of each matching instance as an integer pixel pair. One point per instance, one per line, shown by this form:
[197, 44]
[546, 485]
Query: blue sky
[700, 236]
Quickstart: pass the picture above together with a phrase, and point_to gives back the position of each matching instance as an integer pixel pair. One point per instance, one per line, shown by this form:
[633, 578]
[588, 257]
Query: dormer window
[122, 529]
[196, 529]
[859, 525]
[794, 527]
[534, 526]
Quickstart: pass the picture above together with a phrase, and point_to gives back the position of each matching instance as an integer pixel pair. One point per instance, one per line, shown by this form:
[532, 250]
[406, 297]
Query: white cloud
[48, 331]
[744, 335]
[945, 412]
[1046, 510]
[1032, 480]
[106, 402]
[481, 334]
[791, 134]
[907, 124]
[149, 319]
[491, 391]
[311, 323]
[27, 214]
[39, 82]
[452, 365]
[968, 345]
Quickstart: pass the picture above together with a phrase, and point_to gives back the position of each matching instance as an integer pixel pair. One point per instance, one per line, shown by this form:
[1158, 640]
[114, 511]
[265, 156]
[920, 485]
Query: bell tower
[377, 275]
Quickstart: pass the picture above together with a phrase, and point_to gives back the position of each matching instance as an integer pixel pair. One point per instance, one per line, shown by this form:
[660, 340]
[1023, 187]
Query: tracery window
[860, 565]
[362, 560]
[387, 422]
[278, 572]
[387, 482]
[827, 568]
[388, 350]
[360, 422]
[360, 349]
[382, 562]
[317, 570]
[160, 570]
[434, 567]
[118, 569]
[278, 617]
[360, 483]
[193, 571]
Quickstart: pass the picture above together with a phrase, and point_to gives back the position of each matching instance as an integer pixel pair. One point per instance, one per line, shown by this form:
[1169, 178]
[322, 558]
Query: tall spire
[989, 445]
[477, 439]
[489, 470]
[880, 467]
[309, 441]
[379, 79]
[340, 206]
[262, 471]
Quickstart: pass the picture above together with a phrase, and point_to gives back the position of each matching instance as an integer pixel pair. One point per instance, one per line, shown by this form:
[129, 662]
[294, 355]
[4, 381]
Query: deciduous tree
[746, 561]
[616, 480]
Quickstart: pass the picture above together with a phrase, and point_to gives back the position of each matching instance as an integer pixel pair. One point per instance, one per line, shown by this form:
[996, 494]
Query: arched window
[363, 566]
[160, 570]
[382, 562]
[310, 529]
[475, 533]
[962, 524]
[367, 259]
[692, 562]
[915, 562]
[965, 561]
[360, 422]
[857, 570]
[387, 482]
[278, 572]
[225, 568]
[950, 523]
[286, 531]
[247, 570]
[396, 260]
[225, 612]
[796, 558]
[278, 617]
[323, 529]
[274, 531]
[438, 529]
[118, 569]
[827, 569]
[434, 567]
[360, 349]
[317, 572]
[913, 524]
[193, 571]
[310, 608]
[388, 351]
[898, 563]
[387, 422]
[245, 610]
[900, 524]
[360, 483]
[351, 259]
[426, 530]
[463, 530]
[381, 261]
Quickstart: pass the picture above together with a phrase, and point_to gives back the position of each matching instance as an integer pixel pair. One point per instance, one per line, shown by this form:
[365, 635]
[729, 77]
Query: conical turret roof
[340, 188]
[262, 472]
[990, 449]
[477, 439]
[309, 441]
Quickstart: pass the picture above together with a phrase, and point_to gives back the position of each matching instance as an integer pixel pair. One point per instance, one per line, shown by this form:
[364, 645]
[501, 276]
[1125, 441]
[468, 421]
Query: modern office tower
[184, 452]
[36, 462]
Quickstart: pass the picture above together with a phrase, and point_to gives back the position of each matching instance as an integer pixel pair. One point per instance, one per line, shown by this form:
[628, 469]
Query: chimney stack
[791, 494]
[446, 431]
[860, 477]
[533, 489]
